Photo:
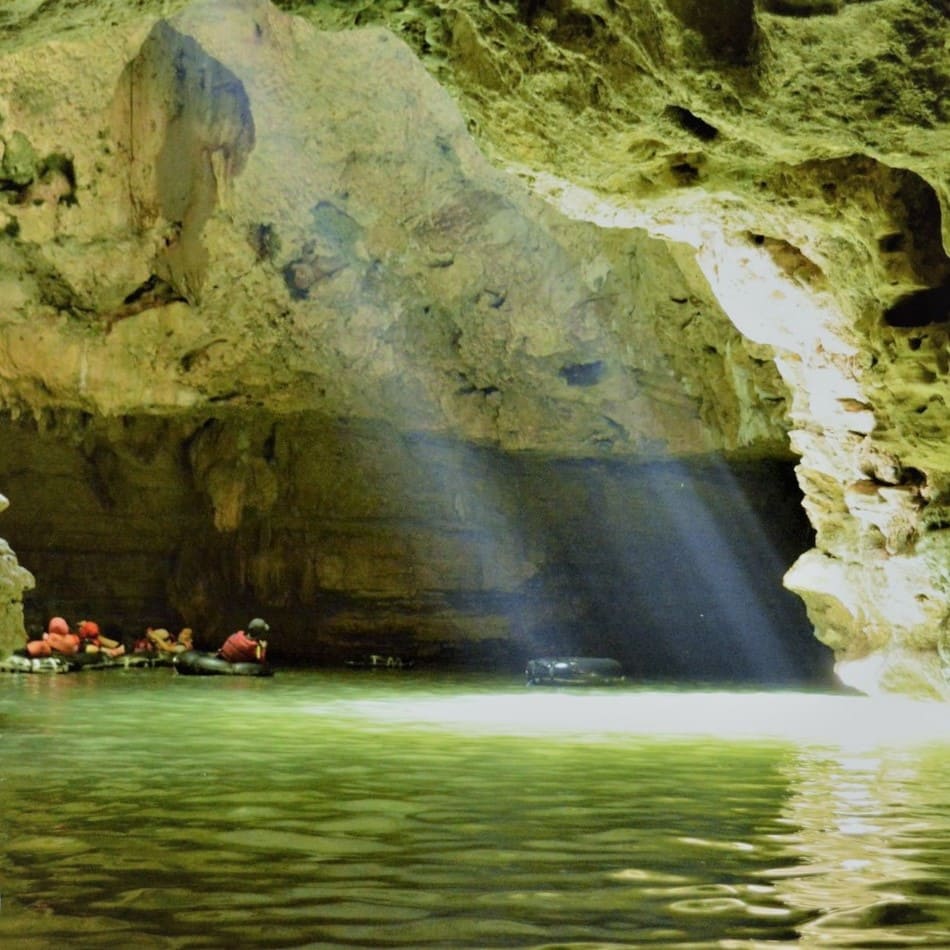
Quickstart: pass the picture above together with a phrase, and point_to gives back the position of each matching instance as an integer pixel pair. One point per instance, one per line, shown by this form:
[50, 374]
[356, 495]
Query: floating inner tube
[97, 661]
[193, 663]
[58, 663]
[147, 660]
[573, 671]
[377, 661]
[17, 663]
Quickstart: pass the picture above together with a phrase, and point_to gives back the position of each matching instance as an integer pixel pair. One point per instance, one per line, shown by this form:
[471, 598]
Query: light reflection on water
[140, 809]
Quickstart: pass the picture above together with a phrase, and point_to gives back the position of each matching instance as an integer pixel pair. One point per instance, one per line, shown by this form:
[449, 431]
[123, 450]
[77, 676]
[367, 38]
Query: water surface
[403, 809]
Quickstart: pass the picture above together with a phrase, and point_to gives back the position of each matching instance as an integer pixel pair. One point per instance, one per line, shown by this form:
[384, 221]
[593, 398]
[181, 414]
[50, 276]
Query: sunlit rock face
[283, 259]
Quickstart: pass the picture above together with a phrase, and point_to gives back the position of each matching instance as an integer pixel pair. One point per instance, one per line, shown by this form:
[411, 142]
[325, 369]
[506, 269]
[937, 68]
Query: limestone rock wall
[14, 581]
[638, 231]
[800, 149]
[320, 232]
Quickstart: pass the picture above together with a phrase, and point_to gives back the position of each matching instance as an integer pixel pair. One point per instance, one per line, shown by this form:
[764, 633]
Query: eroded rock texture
[353, 315]
[14, 580]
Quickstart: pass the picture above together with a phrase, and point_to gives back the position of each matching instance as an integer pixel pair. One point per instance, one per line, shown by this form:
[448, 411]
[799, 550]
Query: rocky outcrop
[806, 171]
[639, 233]
[14, 581]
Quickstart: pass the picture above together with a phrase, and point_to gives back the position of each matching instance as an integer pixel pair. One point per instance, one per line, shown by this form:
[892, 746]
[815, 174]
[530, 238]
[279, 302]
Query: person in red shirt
[248, 646]
[57, 639]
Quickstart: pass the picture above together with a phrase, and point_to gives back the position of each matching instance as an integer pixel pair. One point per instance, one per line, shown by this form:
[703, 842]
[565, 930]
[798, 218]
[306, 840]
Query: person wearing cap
[247, 646]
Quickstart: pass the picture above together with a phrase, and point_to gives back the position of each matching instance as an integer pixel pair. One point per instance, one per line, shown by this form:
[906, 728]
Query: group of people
[158, 640]
[243, 646]
[87, 638]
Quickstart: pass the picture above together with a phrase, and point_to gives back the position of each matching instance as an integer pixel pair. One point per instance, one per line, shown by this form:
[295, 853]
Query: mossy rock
[19, 160]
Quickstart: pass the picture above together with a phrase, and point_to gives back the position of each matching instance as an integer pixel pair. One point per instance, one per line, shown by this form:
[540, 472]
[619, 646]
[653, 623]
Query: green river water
[139, 808]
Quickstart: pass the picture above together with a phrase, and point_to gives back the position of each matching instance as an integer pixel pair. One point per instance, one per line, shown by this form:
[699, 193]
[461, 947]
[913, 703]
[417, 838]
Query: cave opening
[352, 539]
[921, 308]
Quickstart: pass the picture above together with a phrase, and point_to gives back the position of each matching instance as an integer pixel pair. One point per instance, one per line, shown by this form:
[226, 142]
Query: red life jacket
[240, 648]
[59, 637]
[89, 632]
[67, 643]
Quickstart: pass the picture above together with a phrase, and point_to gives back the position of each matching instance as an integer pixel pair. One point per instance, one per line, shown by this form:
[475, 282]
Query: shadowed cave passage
[366, 540]
[675, 568]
